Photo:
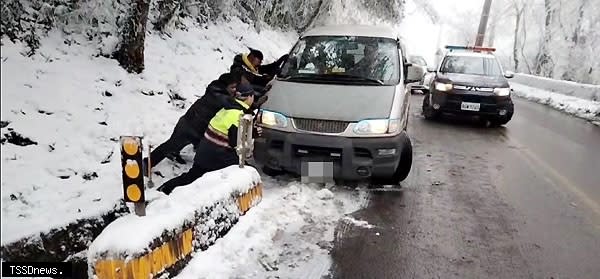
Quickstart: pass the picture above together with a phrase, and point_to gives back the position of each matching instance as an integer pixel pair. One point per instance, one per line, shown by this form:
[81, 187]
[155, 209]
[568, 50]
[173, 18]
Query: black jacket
[265, 72]
[204, 109]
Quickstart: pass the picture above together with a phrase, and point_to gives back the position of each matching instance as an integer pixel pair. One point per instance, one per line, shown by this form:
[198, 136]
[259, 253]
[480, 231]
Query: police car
[470, 81]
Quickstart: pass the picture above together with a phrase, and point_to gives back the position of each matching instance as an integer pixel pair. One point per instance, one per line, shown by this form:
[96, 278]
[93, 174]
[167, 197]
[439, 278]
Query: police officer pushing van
[216, 149]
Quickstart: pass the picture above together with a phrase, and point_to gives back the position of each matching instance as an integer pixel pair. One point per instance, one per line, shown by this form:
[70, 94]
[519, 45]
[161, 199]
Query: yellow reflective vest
[225, 122]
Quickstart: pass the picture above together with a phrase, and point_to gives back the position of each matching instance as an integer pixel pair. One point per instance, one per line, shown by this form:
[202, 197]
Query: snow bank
[132, 233]
[358, 223]
[192, 217]
[73, 106]
[584, 91]
[585, 109]
[288, 235]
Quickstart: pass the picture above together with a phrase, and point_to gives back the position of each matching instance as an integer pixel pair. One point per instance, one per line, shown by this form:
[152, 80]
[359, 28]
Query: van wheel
[271, 171]
[404, 165]
[428, 111]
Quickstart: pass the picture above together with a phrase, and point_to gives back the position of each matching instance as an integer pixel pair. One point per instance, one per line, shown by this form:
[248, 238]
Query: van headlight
[440, 86]
[502, 91]
[273, 119]
[377, 126]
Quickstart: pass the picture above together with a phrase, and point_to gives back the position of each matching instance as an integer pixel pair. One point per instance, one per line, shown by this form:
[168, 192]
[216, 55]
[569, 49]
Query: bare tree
[574, 41]
[519, 8]
[545, 64]
[166, 11]
[130, 52]
[498, 14]
[524, 42]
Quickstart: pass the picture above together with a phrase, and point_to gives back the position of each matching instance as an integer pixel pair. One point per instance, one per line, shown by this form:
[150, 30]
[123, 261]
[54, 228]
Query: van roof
[353, 30]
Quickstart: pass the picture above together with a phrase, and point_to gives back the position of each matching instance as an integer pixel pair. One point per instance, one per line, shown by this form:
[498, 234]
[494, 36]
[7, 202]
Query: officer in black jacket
[191, 126]
[249, 66]
[217, 148]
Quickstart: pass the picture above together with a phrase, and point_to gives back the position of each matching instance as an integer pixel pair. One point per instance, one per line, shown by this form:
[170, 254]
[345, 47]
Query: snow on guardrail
[586, 109]
[581, 100]
[188, 220]
[580, 90]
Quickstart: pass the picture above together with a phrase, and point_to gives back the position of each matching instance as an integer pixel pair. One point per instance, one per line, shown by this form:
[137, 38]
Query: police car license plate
[470, 106]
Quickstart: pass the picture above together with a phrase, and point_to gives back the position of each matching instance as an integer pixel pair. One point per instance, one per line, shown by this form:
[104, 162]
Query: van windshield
[344, 59]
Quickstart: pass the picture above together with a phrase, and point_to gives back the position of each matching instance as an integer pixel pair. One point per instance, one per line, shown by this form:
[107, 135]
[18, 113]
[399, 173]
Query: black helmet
[256, 53]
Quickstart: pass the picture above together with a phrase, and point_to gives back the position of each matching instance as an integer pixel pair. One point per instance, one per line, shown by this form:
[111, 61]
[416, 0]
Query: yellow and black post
[133, 178]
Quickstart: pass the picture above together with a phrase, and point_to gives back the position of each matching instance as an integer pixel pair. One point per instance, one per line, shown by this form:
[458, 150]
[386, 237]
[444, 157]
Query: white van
[340, 106]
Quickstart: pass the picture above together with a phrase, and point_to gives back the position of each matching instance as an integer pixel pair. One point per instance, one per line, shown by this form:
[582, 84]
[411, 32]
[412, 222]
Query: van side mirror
[430, 69]
[413, 74]
[509, 74]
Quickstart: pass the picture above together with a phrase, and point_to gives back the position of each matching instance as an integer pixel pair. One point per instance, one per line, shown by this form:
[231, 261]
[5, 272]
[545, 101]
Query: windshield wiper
[310, 78]
[361, 78]
[330, 77]
[301, 77]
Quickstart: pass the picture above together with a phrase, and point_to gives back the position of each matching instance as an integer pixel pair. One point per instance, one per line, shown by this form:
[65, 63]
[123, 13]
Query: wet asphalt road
[520, 201]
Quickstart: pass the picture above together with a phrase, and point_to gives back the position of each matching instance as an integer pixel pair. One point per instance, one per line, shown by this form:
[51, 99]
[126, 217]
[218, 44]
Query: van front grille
[320, 126]
[304, 151]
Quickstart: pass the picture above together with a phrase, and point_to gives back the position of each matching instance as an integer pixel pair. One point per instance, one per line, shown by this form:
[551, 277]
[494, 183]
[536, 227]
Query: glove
[282, 59]
[261, 100]
[267, 87]
[259, 131]
[164, 189]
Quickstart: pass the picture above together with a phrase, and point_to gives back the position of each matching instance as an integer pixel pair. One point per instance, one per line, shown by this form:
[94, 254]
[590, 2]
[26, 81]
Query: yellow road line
[565, 182]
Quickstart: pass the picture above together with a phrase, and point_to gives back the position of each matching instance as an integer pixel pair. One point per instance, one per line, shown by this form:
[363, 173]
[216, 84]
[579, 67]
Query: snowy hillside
[73, 106]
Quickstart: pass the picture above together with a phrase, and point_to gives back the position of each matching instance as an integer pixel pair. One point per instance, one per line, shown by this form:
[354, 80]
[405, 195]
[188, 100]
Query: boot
[177, 158]
[145, 166]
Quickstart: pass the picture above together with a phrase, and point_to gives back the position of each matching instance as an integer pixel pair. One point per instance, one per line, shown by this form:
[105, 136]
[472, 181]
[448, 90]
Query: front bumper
[352, 158]
[489, 105]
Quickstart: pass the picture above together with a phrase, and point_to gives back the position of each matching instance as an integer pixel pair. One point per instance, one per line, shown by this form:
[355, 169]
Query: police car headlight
[273, 119]
[502, 91]
[440, 86]
[377, 126]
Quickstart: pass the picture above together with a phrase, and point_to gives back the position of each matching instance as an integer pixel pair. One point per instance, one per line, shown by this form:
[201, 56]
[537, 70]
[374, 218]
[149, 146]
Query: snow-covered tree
[130, 53]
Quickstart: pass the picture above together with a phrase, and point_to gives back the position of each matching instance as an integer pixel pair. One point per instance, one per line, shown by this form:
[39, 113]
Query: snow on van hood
[330, 101]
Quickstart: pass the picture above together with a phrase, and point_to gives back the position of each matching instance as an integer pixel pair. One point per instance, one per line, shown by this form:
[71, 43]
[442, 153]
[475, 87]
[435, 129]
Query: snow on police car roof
[353, 30]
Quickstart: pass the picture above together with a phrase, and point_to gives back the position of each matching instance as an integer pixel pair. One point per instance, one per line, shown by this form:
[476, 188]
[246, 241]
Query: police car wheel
[428, 110]
[498, 122]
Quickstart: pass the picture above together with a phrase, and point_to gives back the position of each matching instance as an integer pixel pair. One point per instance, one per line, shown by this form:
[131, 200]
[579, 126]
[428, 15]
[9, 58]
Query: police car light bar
[471, 48]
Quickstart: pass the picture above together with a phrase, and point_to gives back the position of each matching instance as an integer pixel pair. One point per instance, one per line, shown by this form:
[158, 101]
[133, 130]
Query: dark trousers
[209, 157]
[183, 134]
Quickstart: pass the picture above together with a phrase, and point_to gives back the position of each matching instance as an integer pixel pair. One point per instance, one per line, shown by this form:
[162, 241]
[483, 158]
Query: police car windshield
[343, 59]
[471, 65]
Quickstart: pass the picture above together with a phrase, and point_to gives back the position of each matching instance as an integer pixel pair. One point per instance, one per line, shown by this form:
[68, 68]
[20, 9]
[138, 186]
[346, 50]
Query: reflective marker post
[133, 177]
[245, 143]
[150, 182]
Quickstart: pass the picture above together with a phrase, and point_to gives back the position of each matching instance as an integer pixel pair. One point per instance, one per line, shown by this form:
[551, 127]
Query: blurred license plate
[469, 106]
[317, 172]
